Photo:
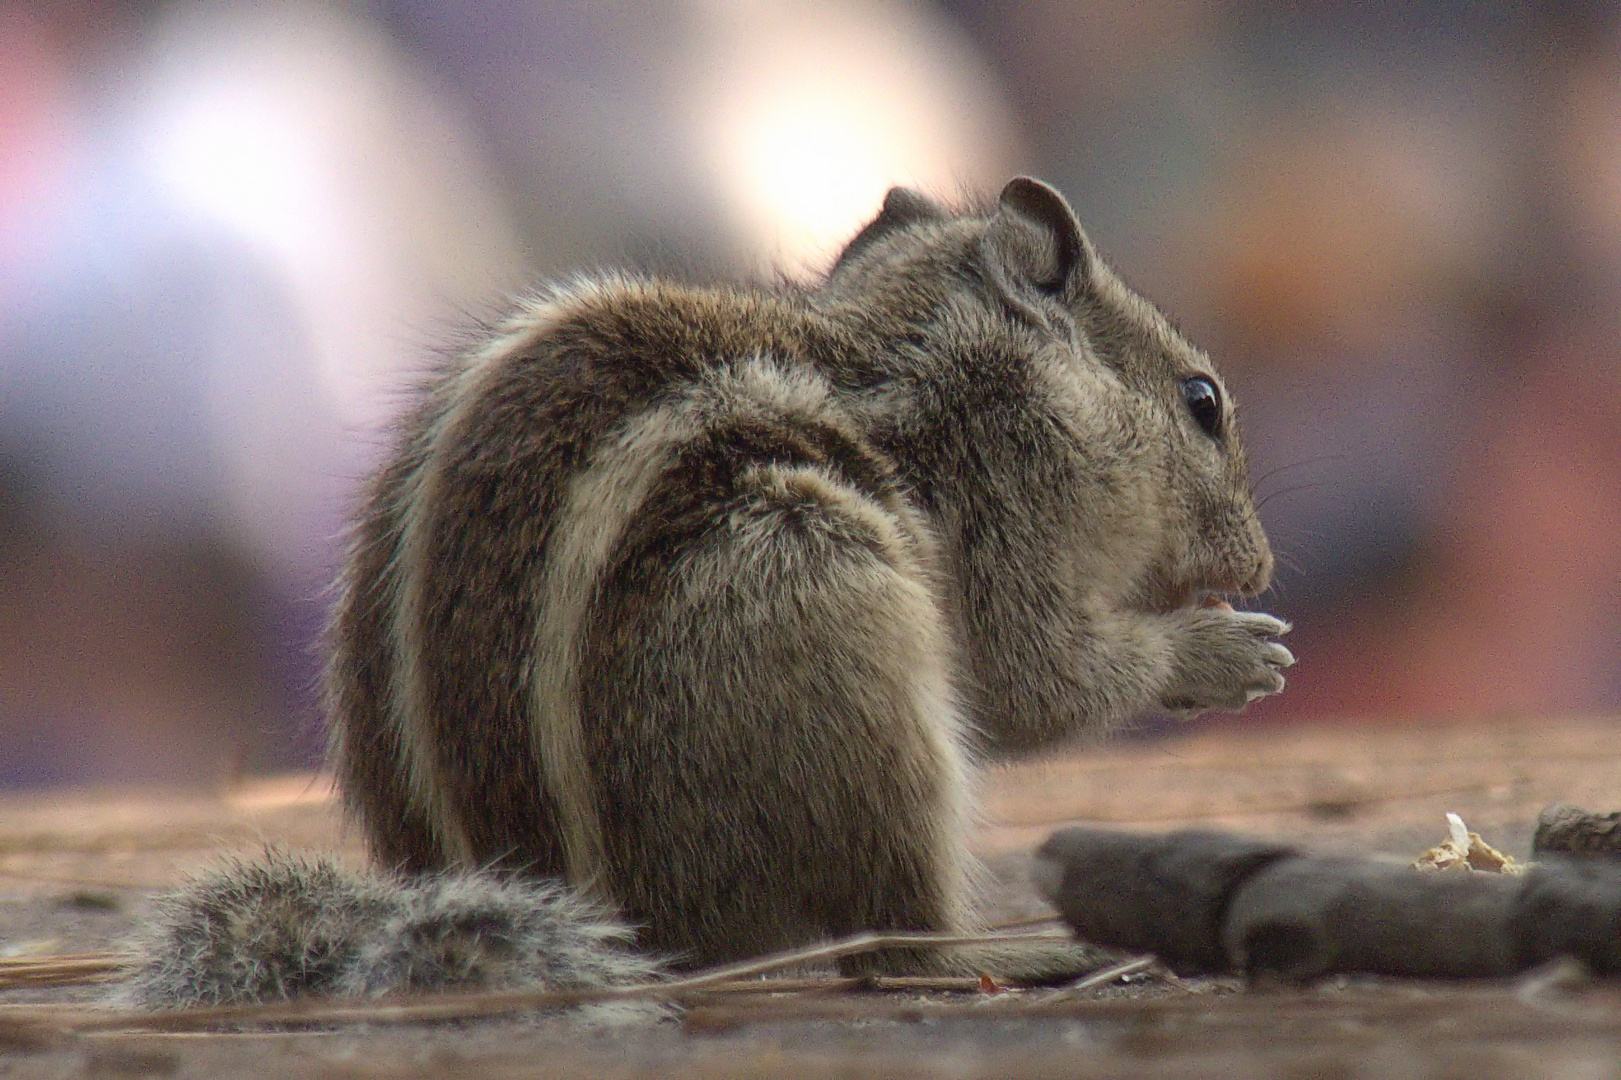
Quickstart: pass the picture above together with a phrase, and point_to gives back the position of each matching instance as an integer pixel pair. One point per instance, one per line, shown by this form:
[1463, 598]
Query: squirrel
[705, 601]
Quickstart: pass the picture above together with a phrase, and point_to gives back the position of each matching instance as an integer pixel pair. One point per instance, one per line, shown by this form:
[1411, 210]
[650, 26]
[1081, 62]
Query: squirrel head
[1018, 377]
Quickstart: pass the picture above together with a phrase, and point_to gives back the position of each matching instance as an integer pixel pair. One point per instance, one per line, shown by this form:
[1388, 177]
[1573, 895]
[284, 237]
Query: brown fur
[703, 598]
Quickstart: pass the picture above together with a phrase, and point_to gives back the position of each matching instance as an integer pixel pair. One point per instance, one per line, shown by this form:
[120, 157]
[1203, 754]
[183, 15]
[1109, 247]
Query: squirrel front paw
[1225, 659]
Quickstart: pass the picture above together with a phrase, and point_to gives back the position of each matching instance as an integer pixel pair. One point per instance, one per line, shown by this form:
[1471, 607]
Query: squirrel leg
[771, 733]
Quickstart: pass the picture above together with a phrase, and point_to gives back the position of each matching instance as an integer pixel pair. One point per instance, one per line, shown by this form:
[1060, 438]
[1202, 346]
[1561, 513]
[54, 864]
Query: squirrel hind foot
[286, 927]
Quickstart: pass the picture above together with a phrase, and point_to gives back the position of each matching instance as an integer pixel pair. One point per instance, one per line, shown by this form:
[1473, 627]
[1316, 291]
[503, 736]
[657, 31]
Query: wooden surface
[75, 867]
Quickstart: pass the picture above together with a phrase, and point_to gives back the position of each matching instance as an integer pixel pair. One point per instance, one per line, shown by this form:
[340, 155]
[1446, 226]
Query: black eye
[1204, 402]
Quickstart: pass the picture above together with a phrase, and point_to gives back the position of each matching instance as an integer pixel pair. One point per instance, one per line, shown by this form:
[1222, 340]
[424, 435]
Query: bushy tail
[287, 928]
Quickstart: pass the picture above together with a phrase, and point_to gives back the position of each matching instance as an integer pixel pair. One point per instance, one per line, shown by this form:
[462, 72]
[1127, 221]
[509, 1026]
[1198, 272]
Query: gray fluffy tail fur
[287, 928]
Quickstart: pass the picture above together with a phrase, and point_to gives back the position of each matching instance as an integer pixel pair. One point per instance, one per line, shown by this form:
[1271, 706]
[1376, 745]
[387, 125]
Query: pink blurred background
[230, 231]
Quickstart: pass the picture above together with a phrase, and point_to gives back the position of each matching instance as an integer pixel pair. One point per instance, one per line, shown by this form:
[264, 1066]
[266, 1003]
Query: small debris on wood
[1465, 850]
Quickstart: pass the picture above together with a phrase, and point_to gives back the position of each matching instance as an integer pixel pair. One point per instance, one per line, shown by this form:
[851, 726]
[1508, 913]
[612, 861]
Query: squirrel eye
[1204, 402]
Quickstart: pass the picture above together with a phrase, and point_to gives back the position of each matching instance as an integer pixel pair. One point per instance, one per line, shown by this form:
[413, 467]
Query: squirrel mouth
[1187, 598]
[1180, 588]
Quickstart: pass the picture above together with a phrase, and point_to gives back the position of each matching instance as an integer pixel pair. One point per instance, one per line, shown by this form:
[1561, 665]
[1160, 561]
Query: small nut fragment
[1465, 850]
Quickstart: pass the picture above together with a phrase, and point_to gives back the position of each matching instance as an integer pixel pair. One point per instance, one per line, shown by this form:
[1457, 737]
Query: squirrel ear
[1036, 238]
[902, 207]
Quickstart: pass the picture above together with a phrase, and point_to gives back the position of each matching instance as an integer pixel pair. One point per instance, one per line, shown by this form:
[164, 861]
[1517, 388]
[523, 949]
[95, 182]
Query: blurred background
[229, 233]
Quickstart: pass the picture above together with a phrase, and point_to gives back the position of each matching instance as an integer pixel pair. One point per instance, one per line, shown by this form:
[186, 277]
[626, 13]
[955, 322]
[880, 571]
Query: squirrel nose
[1260, 576]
